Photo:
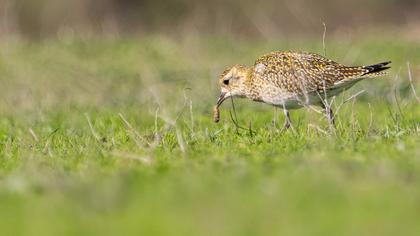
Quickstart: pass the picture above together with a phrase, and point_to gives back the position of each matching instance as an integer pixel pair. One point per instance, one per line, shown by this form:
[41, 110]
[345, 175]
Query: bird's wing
[301, 72]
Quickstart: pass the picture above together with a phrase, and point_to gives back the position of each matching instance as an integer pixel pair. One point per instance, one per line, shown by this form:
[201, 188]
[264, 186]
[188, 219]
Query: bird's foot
[286, 126]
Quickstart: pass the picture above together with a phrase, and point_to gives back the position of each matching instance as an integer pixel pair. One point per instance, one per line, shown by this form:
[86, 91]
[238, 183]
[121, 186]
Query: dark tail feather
[377, 67]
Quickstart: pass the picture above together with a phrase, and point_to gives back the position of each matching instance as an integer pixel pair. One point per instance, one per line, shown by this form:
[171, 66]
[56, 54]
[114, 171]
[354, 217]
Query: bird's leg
[274, 121]
[287, 121]
[330, 115]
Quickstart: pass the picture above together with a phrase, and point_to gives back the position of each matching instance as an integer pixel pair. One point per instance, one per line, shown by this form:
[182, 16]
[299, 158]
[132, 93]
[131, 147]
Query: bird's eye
[226, 82]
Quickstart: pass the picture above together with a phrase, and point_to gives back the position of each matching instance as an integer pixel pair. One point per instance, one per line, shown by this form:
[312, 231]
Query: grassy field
[116, 137]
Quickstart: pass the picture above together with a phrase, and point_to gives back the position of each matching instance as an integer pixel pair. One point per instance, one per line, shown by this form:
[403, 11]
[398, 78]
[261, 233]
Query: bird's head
[234, 82]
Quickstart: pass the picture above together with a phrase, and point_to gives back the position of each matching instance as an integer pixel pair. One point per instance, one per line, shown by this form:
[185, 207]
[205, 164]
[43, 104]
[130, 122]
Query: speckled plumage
[292, 79]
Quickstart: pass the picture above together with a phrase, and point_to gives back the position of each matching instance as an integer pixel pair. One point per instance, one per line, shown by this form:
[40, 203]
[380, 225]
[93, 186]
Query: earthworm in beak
[216, 112]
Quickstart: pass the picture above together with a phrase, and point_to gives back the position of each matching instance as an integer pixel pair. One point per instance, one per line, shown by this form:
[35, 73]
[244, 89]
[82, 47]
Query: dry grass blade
[92, 130]
[31, 131]
[410, 78]
[137, 136]
[180, 139]
[318, 129]
[323, 39]
[348, 99]
[158, 137]
[371, 118]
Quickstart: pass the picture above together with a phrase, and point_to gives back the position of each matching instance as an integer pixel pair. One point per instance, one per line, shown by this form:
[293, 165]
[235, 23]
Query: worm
[216, 114]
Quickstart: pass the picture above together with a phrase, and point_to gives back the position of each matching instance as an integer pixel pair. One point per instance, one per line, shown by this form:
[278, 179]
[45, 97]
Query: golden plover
[291, 80]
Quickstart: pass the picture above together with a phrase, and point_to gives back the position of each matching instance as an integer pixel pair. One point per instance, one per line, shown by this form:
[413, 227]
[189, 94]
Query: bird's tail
[376, 69]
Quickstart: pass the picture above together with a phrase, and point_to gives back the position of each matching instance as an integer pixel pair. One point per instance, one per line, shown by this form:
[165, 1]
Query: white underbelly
[283, 99]
[293, 101]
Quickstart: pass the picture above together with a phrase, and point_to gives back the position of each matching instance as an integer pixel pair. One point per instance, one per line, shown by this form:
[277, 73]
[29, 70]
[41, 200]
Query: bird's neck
[250, 85]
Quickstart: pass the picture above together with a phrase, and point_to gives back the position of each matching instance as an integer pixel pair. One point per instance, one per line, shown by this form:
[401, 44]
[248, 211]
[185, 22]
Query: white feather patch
[259, 68]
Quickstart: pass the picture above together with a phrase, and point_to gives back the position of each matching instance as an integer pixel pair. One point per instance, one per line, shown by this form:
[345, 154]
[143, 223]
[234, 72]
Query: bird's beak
[221, 98]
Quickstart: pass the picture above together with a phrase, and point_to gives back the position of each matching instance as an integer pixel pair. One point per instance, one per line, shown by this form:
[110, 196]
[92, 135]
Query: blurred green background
[236, 18]
[106, 124]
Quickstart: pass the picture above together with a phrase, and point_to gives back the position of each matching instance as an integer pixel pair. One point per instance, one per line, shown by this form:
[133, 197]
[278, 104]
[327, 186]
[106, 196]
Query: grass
[105, 137]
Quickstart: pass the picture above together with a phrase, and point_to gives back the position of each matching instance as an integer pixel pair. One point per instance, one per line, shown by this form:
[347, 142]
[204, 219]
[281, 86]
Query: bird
[292, 80]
